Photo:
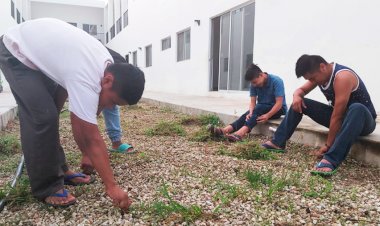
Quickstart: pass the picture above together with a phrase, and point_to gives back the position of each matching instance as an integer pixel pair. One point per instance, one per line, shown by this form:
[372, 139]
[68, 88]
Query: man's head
[122, 84]
[255, 76]
[313, 68]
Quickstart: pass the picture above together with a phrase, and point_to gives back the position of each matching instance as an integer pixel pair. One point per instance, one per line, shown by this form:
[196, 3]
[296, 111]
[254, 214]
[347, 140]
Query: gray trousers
[35, 95]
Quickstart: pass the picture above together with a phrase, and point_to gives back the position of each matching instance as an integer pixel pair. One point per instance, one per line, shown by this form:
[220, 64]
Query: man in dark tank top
[350, 112]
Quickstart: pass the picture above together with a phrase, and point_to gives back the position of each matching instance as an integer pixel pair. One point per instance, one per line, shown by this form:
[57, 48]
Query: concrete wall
[71, 13]
[343, 31]
[151, 21]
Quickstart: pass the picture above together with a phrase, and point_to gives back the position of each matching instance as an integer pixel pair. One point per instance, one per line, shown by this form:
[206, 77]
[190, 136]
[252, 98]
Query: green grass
[318, 187]
[9, 144]
[65, 113]
[247, 149]
[201, 120]
[168, 207]
[18, 195]
[258, 179]
[165, 128]
[225, 194]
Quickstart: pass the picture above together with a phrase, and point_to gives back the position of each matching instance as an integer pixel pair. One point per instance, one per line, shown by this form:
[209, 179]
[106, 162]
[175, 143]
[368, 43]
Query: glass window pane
[187, 44]
[235, 55]
[248, 31]
[224, 50]
[180, 46]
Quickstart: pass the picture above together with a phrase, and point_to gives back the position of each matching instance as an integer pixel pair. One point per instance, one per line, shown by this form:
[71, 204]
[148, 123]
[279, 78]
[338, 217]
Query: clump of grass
[18, 195]
[258, 179]
[201, 120]
[202, 135]
[164, 128]
[318, 187]
[252, 150]
[225, 194]
[169, 207]
[9, 144]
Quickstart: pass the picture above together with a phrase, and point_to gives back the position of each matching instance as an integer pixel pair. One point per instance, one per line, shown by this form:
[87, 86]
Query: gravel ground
[174, 180]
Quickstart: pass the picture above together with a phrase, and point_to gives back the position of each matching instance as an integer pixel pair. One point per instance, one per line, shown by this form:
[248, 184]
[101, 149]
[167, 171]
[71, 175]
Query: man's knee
[46, 117]
[357, 108]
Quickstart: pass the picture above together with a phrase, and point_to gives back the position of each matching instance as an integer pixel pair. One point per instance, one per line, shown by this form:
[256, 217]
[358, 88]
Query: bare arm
[90, 142]
[300, 93]
[344, 83]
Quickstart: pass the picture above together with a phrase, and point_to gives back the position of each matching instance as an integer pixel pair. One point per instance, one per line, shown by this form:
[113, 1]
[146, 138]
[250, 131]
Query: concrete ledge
[6, 116]
[366, 149]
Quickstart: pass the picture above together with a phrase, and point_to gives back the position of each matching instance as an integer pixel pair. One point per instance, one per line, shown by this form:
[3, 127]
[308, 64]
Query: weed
[258, 179]
[201, 120]
[9, 144]
[253, 150]
[318, 187]
[166, 129]
[18, 195]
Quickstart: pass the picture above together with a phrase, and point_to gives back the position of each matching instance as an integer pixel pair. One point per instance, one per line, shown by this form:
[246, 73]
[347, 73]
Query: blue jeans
[259, 110]
[358, 121]
[112, 121]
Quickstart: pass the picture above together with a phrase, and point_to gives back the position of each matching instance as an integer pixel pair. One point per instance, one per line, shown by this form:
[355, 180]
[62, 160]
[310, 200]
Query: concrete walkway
[8, 107]
[229, 108]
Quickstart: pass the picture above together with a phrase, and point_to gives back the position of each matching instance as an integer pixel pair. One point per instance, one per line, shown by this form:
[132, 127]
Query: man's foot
[233, 137]
[61, 198]
[87, 169]
[317, 154]
[324, 168]
[123, 148]
[272, 147]
[76, 179]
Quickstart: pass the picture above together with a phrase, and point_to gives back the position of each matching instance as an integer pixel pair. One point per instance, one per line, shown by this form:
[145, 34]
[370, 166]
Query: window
[125, 18]
[183, 45]
[23, 20]
[91, 29]
[18, 17]
[118, 25]
[135, 58]
[166, 43]
[127, 58]
[107, 37]
[112, 31]
[13, 9]
[74, 24]
[148, 56]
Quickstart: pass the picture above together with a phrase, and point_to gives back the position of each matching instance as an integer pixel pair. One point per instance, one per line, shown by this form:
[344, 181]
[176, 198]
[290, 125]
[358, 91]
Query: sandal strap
[325, 165]
[75, 175]
[64, 194]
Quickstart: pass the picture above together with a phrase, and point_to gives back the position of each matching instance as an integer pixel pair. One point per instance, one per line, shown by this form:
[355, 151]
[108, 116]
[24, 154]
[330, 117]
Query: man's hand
[321, 151]
[119, 198]
[263, 118]
[298, 103]
[248, 116]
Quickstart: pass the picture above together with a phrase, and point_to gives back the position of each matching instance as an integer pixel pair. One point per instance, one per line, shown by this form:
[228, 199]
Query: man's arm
[90, 142]
[300, 93]
[252, 106]
[344, 83]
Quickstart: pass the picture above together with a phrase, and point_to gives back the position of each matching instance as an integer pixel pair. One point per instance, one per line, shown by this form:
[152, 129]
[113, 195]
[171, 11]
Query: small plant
[252, 150]
[318, 187]
[258, 179]
[168, 207]
[201, 120]
[9, 144]
[166, 129]
[19, 194]
[225, 195]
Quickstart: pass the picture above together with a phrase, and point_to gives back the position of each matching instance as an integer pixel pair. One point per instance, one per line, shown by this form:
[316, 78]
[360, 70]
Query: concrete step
[8, 107]
[230, 107]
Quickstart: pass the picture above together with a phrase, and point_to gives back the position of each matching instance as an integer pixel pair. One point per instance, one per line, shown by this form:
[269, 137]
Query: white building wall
[151, 21]
[71, 13]
[343, 31]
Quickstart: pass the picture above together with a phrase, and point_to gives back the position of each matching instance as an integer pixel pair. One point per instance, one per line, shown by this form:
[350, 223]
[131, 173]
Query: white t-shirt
[68, 55]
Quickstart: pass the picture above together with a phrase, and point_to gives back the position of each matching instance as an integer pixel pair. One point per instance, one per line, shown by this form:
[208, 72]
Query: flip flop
[68, 179]
[272, 149]
[123, 148]
[324, 165]
[233, 137]
[215, 131]
[63, 195]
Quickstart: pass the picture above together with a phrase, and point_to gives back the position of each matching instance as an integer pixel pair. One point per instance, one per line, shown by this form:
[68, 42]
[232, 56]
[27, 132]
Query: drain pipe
[15, 178]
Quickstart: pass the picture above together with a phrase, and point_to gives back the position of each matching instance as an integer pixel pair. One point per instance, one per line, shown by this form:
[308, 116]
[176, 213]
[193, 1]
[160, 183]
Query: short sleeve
[83, 101]
[252, 91]
[279, 90]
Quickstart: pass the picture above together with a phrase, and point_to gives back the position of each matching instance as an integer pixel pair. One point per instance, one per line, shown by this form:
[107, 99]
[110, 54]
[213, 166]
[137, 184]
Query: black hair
[129, 81]
[308, 64]
[253, 71]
